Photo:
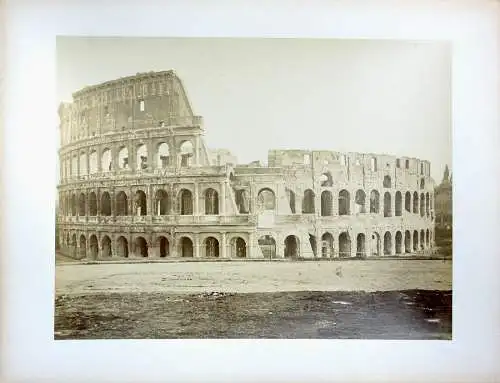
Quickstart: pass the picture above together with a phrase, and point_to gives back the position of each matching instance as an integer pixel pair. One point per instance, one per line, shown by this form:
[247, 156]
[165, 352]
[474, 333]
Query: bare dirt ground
[322, 315]
[379, 299]
[251, 277]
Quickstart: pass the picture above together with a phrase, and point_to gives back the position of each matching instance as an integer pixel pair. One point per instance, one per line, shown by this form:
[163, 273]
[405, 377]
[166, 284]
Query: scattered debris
[433, 320]
[341, 303]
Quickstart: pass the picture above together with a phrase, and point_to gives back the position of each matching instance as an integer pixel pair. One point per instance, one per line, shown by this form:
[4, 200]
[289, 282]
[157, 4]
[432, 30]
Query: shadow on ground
[411, 314]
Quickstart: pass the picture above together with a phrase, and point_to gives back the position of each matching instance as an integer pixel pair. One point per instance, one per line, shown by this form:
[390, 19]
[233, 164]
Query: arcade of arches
[329, 245]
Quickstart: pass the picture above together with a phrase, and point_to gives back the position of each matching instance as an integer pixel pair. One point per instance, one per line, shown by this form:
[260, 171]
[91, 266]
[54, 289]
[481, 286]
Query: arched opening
[374, 202]
[266, 200]
[360, 201]
[291, 200]
[422, 204]
[94, 247]
[387, 182]
[121, 204]
[387, 205]
[186, 247]
[408, 202]
[292, 248]
[344, 202]
[407, 241]
[308, 202]
[415, 203]
[238, 248]
[422, 184]
[427, 238]
[387, 243]
[399, 204]
[106, 161]
[327, 245]
[81, 205]
[326, 203]
[267, 245]
[211, 202]
[427, 204]
[344, 245]
[415, 240]
[360, 246]
[123, 158]
[242, 201]
[186, 202]
[164, 246]
[73, 204]
[399, 242]
[142, 157]
[186, 152]
[162, 202]
[93, 162]
[326, 179]
[163, 159]
[83, 246]
[105, 204]
[140, 203]
[422, 240]
[211, 247]
[92, 204]
[106, 247]
[122, 247]
[141, 247]
[83, 164]
[375, 244]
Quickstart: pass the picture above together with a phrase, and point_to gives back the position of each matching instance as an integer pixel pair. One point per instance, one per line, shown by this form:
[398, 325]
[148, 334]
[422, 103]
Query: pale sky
[258, 94]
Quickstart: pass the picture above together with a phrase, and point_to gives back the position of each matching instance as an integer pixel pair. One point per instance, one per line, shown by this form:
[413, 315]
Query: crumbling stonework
[138, 181]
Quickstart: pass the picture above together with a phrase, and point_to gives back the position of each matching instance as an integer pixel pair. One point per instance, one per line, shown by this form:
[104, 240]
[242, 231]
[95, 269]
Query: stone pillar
[112, 195]
[173, 247]
[196, 200]
[150, 208]
[196, 246]
[130, 203]
[354, 243]
[87, 204]
[393, 243]
[88, 252]
[172, 198]
[153, 248]
[98, 203]
[114, 251]
[252, 246]
[280, 245]
[223, 246]
[223, 198]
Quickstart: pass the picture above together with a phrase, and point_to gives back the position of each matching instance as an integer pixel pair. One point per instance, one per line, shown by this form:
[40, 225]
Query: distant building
[444, 202]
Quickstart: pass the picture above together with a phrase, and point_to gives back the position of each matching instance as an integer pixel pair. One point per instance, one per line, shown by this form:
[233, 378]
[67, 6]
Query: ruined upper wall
[134, 102]
[355, 167]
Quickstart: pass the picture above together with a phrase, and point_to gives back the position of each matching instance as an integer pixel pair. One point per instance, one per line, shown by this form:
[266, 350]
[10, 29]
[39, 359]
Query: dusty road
[254, 277]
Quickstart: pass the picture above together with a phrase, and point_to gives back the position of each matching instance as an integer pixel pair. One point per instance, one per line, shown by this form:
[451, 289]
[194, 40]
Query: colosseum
[137, 181]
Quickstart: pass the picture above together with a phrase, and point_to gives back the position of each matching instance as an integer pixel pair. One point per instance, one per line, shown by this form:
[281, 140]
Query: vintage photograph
[253, 188]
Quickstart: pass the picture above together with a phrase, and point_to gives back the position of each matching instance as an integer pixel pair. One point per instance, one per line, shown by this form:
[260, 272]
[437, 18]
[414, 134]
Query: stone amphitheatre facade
[137, 181]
